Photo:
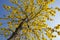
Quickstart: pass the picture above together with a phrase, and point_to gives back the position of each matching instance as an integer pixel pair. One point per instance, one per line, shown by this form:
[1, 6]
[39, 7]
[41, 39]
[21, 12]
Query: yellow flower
[57, 27]
[33, 38]
[10, 26]
[16, 25]
[25, 24]
[52, 0]
[3, 29]
[19, 17]
[28, 10]
[7, 7]
[31, 2]
[57, 8]
[49, 34]
[0, 24]
[33, 9]
[14, 1]
[58, 33]
[52, 12]
[44, 38]
[39, 2]
[9, 22]
[24, 30]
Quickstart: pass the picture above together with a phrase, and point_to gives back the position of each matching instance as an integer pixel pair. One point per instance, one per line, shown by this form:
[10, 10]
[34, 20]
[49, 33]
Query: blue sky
[3, 12]
[55, 22]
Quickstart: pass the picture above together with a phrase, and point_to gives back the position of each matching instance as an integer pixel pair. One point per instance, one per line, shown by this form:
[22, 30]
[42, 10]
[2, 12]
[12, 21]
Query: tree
[28, 19]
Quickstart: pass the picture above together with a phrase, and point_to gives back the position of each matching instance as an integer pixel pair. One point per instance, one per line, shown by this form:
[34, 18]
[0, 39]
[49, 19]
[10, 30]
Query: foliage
[29, 20]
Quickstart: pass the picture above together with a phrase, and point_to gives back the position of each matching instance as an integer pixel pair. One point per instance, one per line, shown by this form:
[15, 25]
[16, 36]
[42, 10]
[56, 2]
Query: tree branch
[17, 29]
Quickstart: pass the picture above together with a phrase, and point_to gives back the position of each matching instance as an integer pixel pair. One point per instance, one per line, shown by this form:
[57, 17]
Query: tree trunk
[16, 33]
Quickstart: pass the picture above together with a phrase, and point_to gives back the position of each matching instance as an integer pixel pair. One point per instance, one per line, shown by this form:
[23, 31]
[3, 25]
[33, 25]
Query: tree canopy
[27, 20]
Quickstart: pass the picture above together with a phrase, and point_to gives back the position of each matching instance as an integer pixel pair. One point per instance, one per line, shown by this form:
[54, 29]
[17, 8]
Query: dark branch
[14, 33]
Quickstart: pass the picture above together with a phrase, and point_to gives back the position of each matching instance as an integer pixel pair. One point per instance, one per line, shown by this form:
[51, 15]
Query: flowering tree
[27, 21]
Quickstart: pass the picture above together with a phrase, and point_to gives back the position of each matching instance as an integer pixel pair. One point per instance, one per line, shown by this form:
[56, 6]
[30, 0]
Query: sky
[54, 23]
